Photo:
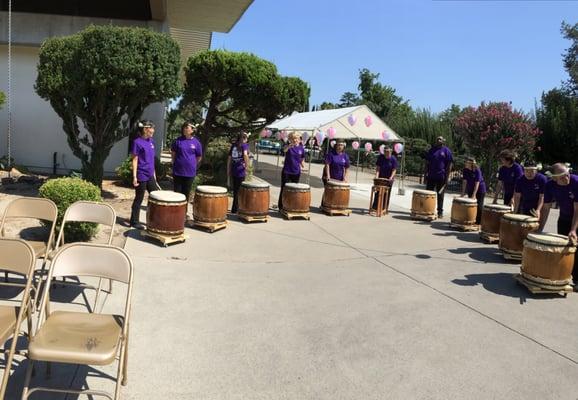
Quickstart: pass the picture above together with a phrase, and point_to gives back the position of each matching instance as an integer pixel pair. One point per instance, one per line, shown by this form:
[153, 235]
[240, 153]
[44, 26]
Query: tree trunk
[93, 169]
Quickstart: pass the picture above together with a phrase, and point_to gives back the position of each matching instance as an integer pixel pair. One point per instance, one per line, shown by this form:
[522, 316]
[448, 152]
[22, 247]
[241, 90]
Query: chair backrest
[31, 207]
[16, 256]
[88, 211]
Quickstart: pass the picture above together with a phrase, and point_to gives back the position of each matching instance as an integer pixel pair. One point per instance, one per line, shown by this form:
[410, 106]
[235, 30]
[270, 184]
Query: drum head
[298, 186]
[255, 184]
[168, 196]
[497, 207]
[333, 182]
[520, 218]
[550, 239]
[211, 189]
[465, 200]
[425, 192]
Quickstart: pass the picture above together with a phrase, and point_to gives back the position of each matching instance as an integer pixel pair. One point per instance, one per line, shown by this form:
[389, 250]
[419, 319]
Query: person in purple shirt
[237, 163]
[508, 175]
[474, 185]
[385, 168]
[186, 153]
[336, 164]
[294, 161]
[143, 169]
[563, 189]
[529, 192]
[439, 165]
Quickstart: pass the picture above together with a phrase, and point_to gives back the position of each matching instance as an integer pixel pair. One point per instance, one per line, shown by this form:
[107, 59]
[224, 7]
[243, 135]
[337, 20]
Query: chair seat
[38, 246]
[8, 317]
[77, 338]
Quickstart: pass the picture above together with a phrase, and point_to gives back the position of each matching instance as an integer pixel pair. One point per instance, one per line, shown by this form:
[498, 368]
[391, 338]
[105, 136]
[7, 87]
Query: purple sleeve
[543, 183]
[135, 148]
[328, 158]
[246, 148]
[450, 156]
[303, 151]
[549, 192]
[198, 148]
[478, 175]
[519, 171]
[518, 188]
[174, 146]
[346, 161]
[501, 173]
[394, 164]
[379, 160]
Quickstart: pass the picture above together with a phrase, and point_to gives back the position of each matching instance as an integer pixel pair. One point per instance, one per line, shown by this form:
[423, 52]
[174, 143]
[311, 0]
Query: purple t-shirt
[439, 159]
[386, 165]
[238, 167]
[144, 149]
[186, 153]
[565, 196]
[509, 176]
[338, 162]
[530, 190]
[293, 159]
[471, 178]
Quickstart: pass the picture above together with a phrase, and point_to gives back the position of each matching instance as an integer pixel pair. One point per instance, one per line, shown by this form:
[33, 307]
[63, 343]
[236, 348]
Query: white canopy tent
[339, 120]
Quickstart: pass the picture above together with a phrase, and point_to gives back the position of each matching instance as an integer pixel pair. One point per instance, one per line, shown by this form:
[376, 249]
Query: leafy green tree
[570, 57]
[349, 99]
[177, 116]
[382, 99]
[239, 92]
[327, 105]
[2, 99]
[557, 117]
[105, 76]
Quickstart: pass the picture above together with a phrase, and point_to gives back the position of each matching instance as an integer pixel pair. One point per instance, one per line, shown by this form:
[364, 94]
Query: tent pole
[357, 166]
[310, 156]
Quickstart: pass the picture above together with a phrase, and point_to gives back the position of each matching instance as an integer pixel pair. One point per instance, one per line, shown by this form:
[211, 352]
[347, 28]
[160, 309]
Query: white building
[37, 139]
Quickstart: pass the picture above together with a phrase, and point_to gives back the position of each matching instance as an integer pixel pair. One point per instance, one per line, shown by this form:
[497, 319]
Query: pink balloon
[264, 133]
[351, 119]
[332, 143]
[368, 121]
[398, 148]
[305, 136]
[381, 149]
[331, 132]
[319, 136]
[355, 145]
[368, 146]
[385, 135]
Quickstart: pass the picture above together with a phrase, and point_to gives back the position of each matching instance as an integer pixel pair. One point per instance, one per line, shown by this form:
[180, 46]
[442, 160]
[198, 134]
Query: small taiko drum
[166, 212]
[491, 217]
[336, 195]
[296, 198]
[210, 204]
[513, 231]
[254, 199]
[548, 260]
[464, 212]
[380, 182]
[423, 204]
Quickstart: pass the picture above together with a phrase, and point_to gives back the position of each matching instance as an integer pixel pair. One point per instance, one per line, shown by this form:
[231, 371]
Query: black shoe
[440, 215]
[138, 226]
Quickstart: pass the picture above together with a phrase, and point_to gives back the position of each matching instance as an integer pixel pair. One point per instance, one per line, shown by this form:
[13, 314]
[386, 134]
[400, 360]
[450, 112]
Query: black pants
[564, 226]
[139, 191]
[286, 178]
[508, 198]
[385, 200]
[183, 184]
[437, 184]
[236, 186]
[480, 198]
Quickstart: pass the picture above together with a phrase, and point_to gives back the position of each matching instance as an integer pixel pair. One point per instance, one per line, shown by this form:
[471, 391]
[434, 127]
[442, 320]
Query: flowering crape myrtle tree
[493, 127]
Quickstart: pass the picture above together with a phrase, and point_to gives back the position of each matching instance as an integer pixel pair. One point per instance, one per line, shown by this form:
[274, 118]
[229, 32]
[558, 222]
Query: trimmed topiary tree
[240, 91]
[65, 191]
[105, 76]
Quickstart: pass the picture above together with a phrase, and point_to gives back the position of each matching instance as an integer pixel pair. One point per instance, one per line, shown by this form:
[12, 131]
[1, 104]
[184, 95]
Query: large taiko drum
[336, 195]
[166, 212]
[491, 217]
[254, 199]
[548, 260]
[464, 211]
[423, 204]
[210, 204]
[296, 198]
[513, 231]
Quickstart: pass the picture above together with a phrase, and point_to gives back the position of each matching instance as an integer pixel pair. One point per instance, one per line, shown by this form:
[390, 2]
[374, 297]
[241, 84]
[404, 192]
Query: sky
[434, 53]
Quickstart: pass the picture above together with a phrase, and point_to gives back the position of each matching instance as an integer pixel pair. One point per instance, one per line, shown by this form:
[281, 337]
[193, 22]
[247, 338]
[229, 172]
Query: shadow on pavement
[484, 254]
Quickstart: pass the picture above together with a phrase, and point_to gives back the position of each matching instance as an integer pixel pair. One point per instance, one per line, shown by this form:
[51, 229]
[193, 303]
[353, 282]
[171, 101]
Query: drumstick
[441, 189]
[533, 212]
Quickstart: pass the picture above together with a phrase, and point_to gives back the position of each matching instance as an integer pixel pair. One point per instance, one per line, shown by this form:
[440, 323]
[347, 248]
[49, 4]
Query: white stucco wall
[37, 130]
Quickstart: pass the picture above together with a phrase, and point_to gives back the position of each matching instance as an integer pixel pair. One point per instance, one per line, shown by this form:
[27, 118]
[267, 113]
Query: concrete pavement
[341, 308]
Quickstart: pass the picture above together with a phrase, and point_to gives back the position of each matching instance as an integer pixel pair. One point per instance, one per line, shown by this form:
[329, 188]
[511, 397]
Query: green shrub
[124, 170]
[215, 161]
[64, 192]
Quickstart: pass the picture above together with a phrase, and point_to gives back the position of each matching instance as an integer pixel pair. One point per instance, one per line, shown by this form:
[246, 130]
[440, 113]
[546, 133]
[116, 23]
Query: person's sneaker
[138, 226]
[440, 215]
